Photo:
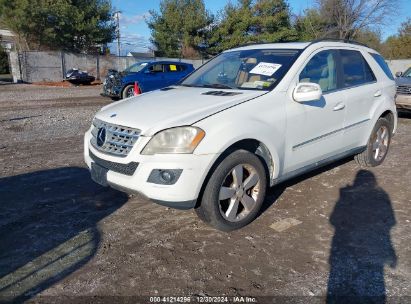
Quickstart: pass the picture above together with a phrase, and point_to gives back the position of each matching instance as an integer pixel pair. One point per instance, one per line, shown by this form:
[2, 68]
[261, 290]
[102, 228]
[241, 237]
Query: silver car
[403, 82]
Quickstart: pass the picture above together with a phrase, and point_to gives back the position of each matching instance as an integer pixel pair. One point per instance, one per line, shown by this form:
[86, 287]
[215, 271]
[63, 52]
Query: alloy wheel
[239, 192]
[380, 143]
[130, 92]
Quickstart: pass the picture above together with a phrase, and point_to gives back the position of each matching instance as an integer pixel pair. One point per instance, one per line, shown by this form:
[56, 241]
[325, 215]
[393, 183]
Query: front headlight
[180, 140]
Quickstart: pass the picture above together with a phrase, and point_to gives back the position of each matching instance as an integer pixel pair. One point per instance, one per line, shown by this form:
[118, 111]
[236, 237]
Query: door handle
[339, 107]
[378, 93]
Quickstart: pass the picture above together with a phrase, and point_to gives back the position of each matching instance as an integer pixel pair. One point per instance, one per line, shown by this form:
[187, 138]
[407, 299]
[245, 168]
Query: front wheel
[129, 91]
[377, 146]
[235, 192]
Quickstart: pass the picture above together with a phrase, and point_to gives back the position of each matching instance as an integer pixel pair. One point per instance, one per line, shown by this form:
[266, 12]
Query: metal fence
[399, 65]
[36, 66]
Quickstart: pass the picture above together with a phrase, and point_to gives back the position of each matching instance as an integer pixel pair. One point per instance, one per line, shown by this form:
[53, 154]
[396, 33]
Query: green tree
[252, 22]
[73, 25]
[399, 46]
[179, 28]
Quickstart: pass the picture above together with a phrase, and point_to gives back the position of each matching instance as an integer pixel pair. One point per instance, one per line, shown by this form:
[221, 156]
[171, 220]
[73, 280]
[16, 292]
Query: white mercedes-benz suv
[248, 119]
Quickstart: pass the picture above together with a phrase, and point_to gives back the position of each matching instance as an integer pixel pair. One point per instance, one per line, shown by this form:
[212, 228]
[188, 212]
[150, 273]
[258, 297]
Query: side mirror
[398, 74]
[307, 91]
[147, 71]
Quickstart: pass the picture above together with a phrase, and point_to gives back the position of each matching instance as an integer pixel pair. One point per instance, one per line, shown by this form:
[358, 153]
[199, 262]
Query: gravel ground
[347, 231]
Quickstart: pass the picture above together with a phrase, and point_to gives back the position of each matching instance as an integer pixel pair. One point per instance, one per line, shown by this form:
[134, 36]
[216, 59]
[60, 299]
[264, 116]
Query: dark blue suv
[149, 76]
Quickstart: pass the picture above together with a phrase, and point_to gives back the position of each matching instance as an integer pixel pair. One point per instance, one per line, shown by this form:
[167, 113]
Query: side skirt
[315, 165]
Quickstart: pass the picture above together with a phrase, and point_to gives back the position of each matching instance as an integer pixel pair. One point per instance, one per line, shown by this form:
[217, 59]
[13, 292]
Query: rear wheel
[235, 192]
[377, 146]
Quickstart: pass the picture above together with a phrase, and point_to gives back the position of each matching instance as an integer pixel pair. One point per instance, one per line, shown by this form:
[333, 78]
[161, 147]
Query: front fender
[130, 81]
[219, 139]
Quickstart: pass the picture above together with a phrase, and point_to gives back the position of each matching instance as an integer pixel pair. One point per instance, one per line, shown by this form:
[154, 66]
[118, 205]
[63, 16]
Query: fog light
[167, 176]
[164, 176]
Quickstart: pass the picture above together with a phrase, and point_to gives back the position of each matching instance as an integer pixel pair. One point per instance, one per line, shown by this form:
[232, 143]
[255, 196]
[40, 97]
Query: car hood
[158, 110]
[403, 81]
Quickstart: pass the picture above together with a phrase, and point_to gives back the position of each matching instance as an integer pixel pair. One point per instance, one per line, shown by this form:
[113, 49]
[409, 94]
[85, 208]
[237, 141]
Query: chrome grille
[118, 141]
[404, 90]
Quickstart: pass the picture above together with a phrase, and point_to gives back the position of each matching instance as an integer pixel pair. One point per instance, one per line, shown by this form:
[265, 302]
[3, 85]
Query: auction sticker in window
[265, 68]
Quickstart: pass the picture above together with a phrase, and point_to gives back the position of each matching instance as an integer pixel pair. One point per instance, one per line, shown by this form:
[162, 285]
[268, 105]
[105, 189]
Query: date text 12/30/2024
[203, 299]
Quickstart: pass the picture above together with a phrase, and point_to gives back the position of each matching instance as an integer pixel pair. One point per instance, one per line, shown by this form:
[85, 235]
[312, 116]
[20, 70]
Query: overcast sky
[136, 34]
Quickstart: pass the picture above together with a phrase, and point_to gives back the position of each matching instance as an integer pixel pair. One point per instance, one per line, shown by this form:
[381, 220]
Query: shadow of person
[49, 227]
[361, 246]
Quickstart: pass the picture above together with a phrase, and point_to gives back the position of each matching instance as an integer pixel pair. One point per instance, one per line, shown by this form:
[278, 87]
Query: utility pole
[117, 16]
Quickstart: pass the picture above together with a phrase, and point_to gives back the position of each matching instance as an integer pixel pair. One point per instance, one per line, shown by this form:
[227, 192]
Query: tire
[228, 205]
[377, 145]
[129, 89]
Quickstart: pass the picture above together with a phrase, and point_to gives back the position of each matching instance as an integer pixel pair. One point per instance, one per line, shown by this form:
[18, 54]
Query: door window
[174, 68]
[156, 68]
[321, 69]
[355, 70]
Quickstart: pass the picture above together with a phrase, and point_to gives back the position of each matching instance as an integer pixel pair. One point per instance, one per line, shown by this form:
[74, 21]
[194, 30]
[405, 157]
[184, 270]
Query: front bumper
[182, 195]
[403, 102]
[110, 90]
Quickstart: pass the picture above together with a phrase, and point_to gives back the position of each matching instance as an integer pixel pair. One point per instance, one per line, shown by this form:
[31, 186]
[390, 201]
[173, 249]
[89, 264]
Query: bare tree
[346, 18]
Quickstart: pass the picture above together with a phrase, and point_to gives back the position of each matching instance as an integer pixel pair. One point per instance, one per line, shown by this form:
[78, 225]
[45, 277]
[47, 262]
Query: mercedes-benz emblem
[101, 136]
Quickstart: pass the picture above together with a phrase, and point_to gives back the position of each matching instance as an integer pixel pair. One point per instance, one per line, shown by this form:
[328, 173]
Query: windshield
[248, 69]
[407, 73]
[136, 67]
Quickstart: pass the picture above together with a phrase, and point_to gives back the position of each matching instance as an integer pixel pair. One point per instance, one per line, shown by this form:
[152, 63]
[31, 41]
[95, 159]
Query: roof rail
[254, 43]
[338, 40]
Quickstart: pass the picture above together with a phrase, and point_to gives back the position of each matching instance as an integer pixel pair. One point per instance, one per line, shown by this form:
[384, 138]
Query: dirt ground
[347, 230]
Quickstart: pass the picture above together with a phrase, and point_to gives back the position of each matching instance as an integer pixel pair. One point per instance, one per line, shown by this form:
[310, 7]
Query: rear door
[362, 90]
[174, 73]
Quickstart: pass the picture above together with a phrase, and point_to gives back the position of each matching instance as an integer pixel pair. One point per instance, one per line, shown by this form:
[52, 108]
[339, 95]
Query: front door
[314, 129]
[154, 77]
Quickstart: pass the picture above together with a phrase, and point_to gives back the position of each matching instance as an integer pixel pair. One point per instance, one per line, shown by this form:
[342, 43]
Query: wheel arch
[381, 111]
[256, 147]
[389, 115]
[128, 84]
[251, 145]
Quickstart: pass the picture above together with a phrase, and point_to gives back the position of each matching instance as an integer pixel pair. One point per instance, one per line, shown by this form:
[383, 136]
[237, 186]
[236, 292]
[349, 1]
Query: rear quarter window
[384, 66]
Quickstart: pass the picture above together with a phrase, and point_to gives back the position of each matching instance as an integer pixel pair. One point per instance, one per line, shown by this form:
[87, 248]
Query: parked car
[403, 82]
[149, 76]
[250, 118]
